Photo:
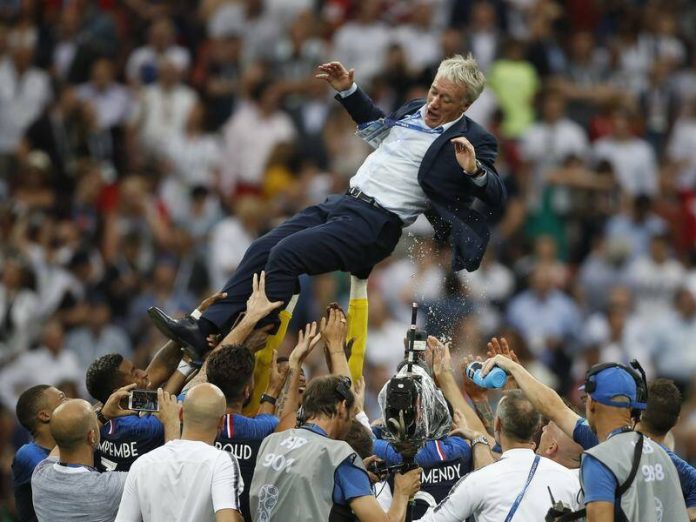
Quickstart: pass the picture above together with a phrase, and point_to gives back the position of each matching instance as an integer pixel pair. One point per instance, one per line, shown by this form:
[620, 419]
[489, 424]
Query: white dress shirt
[390, 173]
[183, 480]
[488, 494]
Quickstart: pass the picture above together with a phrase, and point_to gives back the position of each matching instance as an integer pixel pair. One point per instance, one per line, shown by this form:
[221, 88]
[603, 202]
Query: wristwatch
[480, 171]
[268, 398]
[101, 417]
[481, 439]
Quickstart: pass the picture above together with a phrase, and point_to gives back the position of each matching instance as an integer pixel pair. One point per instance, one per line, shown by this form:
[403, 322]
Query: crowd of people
[144, 145]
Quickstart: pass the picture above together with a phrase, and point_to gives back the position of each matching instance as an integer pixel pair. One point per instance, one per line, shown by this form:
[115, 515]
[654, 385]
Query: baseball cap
[610, 383]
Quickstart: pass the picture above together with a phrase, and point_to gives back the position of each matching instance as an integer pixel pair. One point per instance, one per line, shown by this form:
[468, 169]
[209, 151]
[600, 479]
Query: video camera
[413, 408]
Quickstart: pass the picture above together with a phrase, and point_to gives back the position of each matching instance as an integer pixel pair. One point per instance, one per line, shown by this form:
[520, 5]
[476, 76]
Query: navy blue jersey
[124, 439]
[444, 462]
[242, 436]
[23, 464]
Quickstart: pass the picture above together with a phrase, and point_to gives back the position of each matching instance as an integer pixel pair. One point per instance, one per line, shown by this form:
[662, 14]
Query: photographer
[519, 483]
[292, 464]
[660, 401]
[627, 476]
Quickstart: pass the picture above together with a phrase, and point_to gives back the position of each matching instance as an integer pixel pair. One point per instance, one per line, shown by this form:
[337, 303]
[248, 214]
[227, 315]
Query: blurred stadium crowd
[145, 144]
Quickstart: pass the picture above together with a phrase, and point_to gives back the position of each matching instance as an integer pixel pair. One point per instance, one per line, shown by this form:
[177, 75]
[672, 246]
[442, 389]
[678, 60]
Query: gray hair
[463, 71]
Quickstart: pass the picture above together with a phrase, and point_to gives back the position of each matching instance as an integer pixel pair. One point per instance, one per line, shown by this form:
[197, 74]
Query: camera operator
[517, 485]
[627, 476]
[34, 410]
[187, 479]
[309, 474]
[552, 406]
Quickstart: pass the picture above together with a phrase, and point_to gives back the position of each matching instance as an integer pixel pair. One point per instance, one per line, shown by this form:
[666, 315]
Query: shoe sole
[164, 330]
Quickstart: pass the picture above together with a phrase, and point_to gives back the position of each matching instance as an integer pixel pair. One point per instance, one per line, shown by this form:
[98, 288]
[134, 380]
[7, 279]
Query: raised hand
[258, 306]
[336, 75]
[307, 340]
[501, 347]
[359, 392]
[476, 393]
[277, 376]
[466, 155]
[112, 408]
[334, 328]
[441, 360]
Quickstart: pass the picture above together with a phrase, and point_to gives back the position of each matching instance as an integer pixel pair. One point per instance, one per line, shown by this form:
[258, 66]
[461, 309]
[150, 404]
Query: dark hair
[360, 439]
[230, 369]
[103, 376]
[323, 395]
[664, 405]
[29, 404]
[518, 418]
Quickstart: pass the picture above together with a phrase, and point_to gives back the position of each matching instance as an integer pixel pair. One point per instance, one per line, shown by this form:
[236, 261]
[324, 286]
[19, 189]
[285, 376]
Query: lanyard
[516, 504]
[405, 124]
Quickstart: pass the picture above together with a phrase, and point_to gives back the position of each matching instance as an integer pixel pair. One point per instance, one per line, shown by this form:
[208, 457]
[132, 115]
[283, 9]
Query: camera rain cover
[413, 408]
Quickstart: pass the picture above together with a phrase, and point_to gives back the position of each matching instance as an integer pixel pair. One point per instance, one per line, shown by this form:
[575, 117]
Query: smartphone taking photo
[143, 400]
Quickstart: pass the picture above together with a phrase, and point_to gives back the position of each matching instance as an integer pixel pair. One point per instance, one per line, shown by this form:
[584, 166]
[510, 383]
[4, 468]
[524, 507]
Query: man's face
[131, 375]
[446, 102]
[589, 413]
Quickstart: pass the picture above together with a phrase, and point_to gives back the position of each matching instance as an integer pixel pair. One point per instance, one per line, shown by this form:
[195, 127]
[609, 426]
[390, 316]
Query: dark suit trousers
[343, 233]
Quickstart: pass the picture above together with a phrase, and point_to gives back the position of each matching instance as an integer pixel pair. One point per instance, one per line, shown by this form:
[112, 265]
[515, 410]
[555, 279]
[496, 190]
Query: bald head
[203, 407]
[72, 423]
[559, 447]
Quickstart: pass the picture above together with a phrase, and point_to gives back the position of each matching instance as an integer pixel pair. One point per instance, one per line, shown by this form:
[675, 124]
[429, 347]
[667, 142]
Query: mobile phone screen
[143, 400]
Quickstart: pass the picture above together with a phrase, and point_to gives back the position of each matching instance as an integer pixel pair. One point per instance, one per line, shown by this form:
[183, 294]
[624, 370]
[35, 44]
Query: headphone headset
[635, 370]
[343, 390]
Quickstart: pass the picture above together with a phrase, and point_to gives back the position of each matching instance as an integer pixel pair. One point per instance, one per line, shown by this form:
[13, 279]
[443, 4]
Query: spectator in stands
[163, 108]
[24, 95]
[145, 63]
[34, 410]
[111, 101]
[250, 135]
[188, 478]
[18, 304]
[633, 160]
[524, 490]
[547, 318]
[49, 363]
[672, 340]
[99, 336]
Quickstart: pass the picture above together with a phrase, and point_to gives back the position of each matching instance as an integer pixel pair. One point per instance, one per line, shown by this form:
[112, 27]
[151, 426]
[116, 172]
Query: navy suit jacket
[459, 209]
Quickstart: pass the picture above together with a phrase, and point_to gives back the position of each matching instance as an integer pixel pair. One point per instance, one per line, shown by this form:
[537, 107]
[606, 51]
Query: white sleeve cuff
[363, 419]
[481, 180]
[348, 92]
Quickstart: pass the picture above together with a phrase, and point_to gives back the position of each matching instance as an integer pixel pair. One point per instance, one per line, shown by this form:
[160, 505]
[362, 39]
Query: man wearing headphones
[627, 476]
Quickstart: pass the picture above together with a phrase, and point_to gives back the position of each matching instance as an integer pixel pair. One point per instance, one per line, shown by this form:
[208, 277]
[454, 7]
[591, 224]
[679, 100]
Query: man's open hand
[307, 340]
[258, 306]
[336, 75]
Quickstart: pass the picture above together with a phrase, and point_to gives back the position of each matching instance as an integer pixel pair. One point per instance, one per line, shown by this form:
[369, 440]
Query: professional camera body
[413, 408]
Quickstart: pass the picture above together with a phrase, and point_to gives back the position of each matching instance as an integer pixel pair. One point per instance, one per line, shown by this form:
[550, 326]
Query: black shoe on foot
[184, 331]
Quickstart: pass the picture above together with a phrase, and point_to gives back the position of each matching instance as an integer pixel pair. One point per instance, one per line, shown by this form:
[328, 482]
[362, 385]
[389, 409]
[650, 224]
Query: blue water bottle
[496, 378]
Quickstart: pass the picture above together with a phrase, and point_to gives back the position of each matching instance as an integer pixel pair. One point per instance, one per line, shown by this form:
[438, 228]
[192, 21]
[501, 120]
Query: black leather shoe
[183, 331]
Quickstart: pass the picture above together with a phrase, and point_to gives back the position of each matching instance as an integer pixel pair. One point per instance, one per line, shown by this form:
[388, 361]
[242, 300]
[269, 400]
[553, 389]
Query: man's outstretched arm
[544, 399]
